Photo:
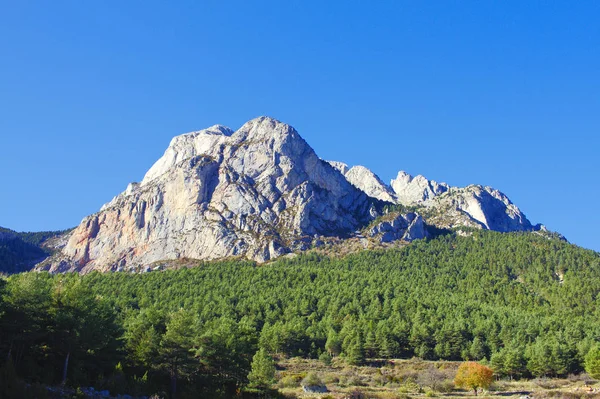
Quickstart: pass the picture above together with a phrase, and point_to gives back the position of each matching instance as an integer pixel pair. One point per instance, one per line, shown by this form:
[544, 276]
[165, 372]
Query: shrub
[331, 379]
[325, 358]
[311, 379]
[432, 378]
[355, 381]
[290, 381]
[446, 386]
[548, 383]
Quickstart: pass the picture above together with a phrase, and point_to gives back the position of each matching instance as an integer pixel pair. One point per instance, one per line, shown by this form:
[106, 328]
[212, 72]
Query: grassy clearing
[415, 378]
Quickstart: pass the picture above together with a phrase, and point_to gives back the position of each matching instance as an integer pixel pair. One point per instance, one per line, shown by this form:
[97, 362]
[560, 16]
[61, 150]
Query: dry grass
[415, 378]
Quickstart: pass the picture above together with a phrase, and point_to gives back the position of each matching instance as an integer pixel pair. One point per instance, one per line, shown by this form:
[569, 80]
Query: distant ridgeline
[525, 302]
[20, 251]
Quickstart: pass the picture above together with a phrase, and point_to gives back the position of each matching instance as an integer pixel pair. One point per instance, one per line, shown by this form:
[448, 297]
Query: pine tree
[175, 350]
[262, 374]
[333, 345]
[355, 353]
[478, 349]
[592, 362]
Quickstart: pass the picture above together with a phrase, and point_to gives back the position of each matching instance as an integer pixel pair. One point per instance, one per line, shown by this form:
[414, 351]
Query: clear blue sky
[502, 93]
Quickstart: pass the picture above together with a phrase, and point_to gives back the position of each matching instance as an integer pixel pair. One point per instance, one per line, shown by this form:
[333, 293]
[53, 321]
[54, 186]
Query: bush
[325, 358]
[446, 386]
[548, 383]
[311, 380]
[331, 379]
[431, 377]
[557, 395]
[355, 381]
[410, 387]
[290, 381]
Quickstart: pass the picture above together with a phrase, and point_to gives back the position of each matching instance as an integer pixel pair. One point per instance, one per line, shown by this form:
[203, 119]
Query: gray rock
[473, 206]
[315, 389]
[370, 184]
[407, 227]
[478, 206]
[261, 192]
[411, 190]
[214, 194]
[340, 166]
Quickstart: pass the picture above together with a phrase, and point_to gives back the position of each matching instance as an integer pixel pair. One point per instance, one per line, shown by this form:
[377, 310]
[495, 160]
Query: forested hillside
[526, 303]
[18, 251]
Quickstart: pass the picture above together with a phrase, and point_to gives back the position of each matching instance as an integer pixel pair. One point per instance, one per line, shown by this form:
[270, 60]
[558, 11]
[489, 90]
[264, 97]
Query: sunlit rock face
[258, 193]
[478, 206]
[261, 192]
[365, 180]
[416, 190]
[445, 206]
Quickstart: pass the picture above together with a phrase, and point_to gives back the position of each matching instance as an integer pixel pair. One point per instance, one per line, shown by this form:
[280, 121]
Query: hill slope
[20, 251]
[525, 302]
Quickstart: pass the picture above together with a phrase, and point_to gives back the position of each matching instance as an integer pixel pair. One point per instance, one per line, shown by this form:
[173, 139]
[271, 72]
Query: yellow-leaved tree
[472, 375]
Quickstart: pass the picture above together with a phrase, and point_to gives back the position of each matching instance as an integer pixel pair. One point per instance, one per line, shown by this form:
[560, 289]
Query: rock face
[340, 166]
[261, 192]
[444, 206]
[416, 190]
[365, 180]
[478, 206]
[258, 192]
[407, 227]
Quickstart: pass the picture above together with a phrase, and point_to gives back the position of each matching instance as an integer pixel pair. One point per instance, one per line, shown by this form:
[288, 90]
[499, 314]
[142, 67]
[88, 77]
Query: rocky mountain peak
[416, 190]
[340, 166]
[362, 178]
[261, 192]
[258, 192]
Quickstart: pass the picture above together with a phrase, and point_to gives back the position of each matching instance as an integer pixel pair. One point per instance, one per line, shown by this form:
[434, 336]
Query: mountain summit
[261, 192]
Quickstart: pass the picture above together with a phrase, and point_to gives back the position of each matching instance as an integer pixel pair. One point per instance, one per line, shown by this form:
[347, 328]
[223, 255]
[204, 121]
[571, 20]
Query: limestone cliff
[261, 192]
[258, 192]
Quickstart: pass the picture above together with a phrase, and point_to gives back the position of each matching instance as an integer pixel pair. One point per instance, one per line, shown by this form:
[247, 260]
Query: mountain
[259, 192]
[367, 181]
[262, 192]
[443, 206]
[21, 251]
[416, 190]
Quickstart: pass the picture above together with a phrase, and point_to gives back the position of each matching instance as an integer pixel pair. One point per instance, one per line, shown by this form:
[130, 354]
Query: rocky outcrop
[369, 183]
[411, 190]
[477, 206]
[365, 180]
[444, 206]
[340, 166]
[259, 192]
[407, 227]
